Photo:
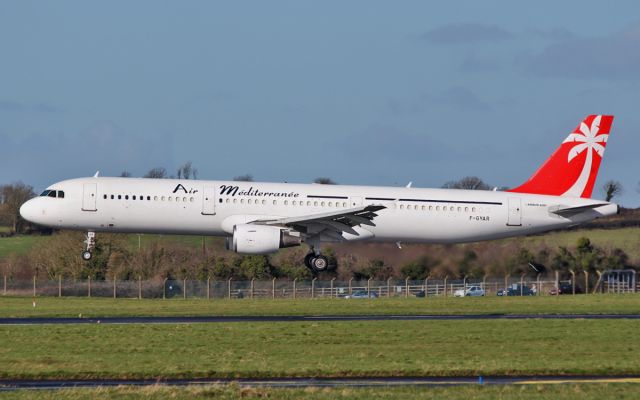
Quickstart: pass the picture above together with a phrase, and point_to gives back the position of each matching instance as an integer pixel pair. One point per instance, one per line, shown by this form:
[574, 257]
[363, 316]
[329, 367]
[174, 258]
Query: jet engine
[261, 239]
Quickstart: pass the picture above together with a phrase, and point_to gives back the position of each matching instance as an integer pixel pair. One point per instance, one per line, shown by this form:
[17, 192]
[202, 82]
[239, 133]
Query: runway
[297, 318]
[10, 385]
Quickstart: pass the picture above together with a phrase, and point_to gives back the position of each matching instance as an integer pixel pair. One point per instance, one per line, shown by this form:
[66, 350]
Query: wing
[331, 224]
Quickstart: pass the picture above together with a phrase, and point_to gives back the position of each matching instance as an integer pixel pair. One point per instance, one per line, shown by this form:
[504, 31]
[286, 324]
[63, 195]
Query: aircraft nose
[29, 211]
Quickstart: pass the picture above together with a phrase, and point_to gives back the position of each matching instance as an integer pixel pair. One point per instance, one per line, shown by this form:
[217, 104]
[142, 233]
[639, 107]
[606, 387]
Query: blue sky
[365, 92]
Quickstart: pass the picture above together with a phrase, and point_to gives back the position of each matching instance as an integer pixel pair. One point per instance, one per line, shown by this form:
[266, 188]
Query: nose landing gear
[90, 243]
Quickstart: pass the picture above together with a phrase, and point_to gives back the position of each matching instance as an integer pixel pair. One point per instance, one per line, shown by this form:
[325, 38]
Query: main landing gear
[316, 263]
[90, 243]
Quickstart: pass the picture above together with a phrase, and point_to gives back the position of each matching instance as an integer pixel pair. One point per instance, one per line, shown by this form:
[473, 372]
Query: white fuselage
[193, 207]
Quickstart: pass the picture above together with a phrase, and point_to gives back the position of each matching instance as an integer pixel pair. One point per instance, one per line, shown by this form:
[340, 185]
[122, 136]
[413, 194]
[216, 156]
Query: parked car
[362, 294]
[421, 293]
[468, 292]
[564, 288]
[516, 290]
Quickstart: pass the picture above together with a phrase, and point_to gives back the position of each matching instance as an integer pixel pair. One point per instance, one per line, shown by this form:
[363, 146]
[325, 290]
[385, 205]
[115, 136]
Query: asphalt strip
[10, 385]
[295, 318]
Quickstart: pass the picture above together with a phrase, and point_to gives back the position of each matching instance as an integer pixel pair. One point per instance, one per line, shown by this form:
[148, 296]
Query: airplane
[261, 218]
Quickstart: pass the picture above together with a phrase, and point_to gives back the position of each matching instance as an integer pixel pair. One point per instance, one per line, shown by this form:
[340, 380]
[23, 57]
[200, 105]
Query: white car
[470, 291]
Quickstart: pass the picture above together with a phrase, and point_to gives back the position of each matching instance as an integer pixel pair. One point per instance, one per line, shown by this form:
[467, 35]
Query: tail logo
[586, 139]
[572, 169]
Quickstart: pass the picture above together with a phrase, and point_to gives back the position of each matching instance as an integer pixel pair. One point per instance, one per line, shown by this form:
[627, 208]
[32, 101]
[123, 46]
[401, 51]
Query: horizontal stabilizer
[571, 211]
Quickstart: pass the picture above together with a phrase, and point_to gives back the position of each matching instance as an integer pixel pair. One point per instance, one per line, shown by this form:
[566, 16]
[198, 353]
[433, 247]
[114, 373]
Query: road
[9, 385]
[295, 318]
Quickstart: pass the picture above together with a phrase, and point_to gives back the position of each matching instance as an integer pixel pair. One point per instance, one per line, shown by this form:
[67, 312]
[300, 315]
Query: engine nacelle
[260, 239]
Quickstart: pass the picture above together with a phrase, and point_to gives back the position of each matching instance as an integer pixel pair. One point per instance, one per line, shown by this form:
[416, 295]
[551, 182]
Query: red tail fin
[572, 168]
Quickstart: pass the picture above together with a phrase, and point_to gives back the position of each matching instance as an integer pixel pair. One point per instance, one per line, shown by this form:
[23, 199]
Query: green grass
[625, 238]
[102, 307]
[321, 349]
[19, 244]
[543, 392]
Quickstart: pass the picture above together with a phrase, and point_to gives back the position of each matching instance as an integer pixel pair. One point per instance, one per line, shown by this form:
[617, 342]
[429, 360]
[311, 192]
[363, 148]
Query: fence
[293, 289]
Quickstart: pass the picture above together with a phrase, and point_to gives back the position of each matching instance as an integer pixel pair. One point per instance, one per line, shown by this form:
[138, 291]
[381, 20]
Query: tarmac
[297, 318]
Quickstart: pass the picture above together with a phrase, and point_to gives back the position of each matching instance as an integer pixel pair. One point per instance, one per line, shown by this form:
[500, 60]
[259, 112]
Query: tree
[611, 189]
[244, 178]
[468, 183]
[325, 181]
[13, 196]
[418, 269]
[156, 173]
[125, 174]
[187, 171]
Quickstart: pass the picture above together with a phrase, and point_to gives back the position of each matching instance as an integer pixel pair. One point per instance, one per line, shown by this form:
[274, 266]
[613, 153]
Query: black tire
[86, 255]
[308, 260]
[320, 263]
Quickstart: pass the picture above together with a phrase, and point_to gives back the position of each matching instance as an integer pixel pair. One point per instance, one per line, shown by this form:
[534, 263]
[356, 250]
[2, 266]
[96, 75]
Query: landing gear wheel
[320, 263]
[308, 260]
[90, 243]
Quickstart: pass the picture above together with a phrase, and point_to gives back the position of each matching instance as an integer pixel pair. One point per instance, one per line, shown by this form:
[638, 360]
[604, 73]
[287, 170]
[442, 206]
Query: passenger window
[308, 203]
[451, 208]
[119, 197]
[424, 208]
[177, 199]
[264, 202]
[286, 202]
[163, 198]
[466, 209]
[235, 201]
[113, 197]
[322, 204]
[315, 204]
[104, 197]
[170, 198]
[134, 197]
[149, 198]
[293, 203]
[126, 197]
[275, 202]
[430, 208]
[155, 198]
[192, 200]
[473, 209]
[344, 204]
[459, 209]
[437, 208]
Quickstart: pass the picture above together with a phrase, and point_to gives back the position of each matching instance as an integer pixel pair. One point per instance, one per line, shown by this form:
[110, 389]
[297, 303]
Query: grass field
[102, 307]
[321, 349]
[542, 392]
[19, 244]
[627, 239]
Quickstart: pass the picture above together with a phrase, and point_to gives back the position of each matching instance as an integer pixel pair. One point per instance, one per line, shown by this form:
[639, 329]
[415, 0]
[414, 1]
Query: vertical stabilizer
[572, 169]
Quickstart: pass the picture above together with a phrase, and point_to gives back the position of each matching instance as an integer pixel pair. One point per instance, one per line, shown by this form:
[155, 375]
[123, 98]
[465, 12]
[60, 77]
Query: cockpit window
[53, 193]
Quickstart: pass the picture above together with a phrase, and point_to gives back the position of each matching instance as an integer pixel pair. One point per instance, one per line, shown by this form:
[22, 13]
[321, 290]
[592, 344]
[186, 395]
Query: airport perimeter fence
[617, 282]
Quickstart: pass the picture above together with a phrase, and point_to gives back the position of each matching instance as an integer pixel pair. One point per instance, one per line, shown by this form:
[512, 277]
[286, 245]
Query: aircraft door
[209, 200]
[515, 212]
[89, 195]
[356, 201]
